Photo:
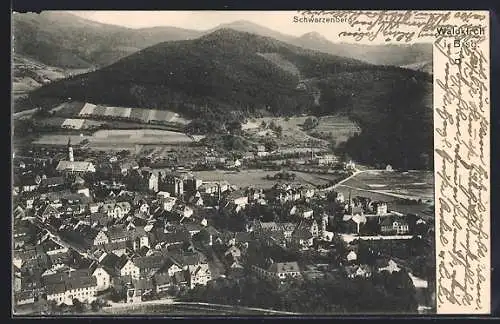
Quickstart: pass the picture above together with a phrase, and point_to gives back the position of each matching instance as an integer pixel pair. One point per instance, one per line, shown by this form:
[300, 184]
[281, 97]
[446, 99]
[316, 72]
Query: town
[101, 231]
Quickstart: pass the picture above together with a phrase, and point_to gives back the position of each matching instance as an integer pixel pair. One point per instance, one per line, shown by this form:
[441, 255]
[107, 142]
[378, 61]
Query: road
[24, 113]
[355, 173]
[207, 308]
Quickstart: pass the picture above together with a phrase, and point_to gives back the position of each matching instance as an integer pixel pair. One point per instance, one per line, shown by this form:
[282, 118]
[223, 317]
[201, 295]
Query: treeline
[383, 293]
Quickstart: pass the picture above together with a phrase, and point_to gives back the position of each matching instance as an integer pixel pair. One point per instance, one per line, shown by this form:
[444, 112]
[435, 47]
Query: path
[195, 305]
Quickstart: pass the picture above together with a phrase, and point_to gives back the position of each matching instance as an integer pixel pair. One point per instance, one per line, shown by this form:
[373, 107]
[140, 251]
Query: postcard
[235, 163]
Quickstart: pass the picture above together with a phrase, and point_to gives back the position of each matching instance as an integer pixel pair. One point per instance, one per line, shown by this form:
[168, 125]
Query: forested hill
[229, 74]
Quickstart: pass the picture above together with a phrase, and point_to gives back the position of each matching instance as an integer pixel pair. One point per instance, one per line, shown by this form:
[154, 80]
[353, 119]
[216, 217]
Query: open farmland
[126, 139]
[133, 114]
[141, 136]
[257, 178]
[292, 132]
[68, 123]
[338, 128]
[60, 139]
[388, 185]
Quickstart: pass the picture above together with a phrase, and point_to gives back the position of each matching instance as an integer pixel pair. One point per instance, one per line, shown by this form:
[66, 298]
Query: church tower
[70, 151]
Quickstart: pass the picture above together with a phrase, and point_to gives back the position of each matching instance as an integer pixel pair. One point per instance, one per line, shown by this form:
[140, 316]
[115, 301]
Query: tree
[310, 123]
[77, 305]
[271, 145]
[234, 127]
[279, 130]
[202, 237]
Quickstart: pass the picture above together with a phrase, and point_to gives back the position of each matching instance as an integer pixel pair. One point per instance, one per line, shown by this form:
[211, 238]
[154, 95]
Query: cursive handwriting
[461, 121]
[400, 26]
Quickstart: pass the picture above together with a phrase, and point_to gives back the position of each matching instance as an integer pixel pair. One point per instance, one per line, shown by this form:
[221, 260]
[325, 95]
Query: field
[394, 188]
[68, 123]
[337, 128]
[292, 133]
[141, 136]
[134, 114]
[257, 178]
[417, 184]
[120, 139]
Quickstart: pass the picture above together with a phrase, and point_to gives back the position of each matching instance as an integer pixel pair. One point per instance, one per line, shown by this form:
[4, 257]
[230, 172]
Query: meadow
[336, 128]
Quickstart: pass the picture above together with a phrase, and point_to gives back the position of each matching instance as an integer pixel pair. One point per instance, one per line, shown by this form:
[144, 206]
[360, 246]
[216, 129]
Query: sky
[280, 21]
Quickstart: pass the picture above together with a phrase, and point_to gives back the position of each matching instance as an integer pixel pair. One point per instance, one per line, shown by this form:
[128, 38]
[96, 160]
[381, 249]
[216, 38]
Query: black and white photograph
[228, 163]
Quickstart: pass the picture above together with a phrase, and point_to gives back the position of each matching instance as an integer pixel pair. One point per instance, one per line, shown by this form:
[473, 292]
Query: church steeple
[70, 151]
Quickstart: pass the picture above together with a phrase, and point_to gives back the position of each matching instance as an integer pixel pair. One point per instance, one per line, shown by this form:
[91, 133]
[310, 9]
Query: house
[93, 207]
[18, 212]
[183, 211]
[170, 267]
[302, 238]
[144, 208]
[350, 165]
[181, 279]
[394, 224]
[103, 277]
[208, 188]
[199, 275]
[30, 183]
[352, 256]
[53, 183]
[118, 233]
[78, 167]
[116, 210]
[100, 238]
[237, 198]
[162, 194]
[64, 287]
[99, 219]
[390, 267]
[17, 279]
[50, 211]
[172, 183]
[162, 281]
[192, 184]
[192, 228]
[358, 271]
[306, 213]
[266, 227]
[233, 251]
[288, 229]
[127, 166]
[196, 199]
[285, 270]
[166, 239]
[378, 207]
[310, 225]
[307, 191]
[51, 247]
[168, 203]
[129, 268]
[140, 238]
[24, 297]
[277, 271]
[140, 289]
[149, 265]
[233, 164]
[352, 224]
[119, 248]
[327, 159]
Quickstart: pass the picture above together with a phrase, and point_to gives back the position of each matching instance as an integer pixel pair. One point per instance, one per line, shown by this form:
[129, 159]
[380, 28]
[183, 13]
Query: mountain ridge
[69, 41]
